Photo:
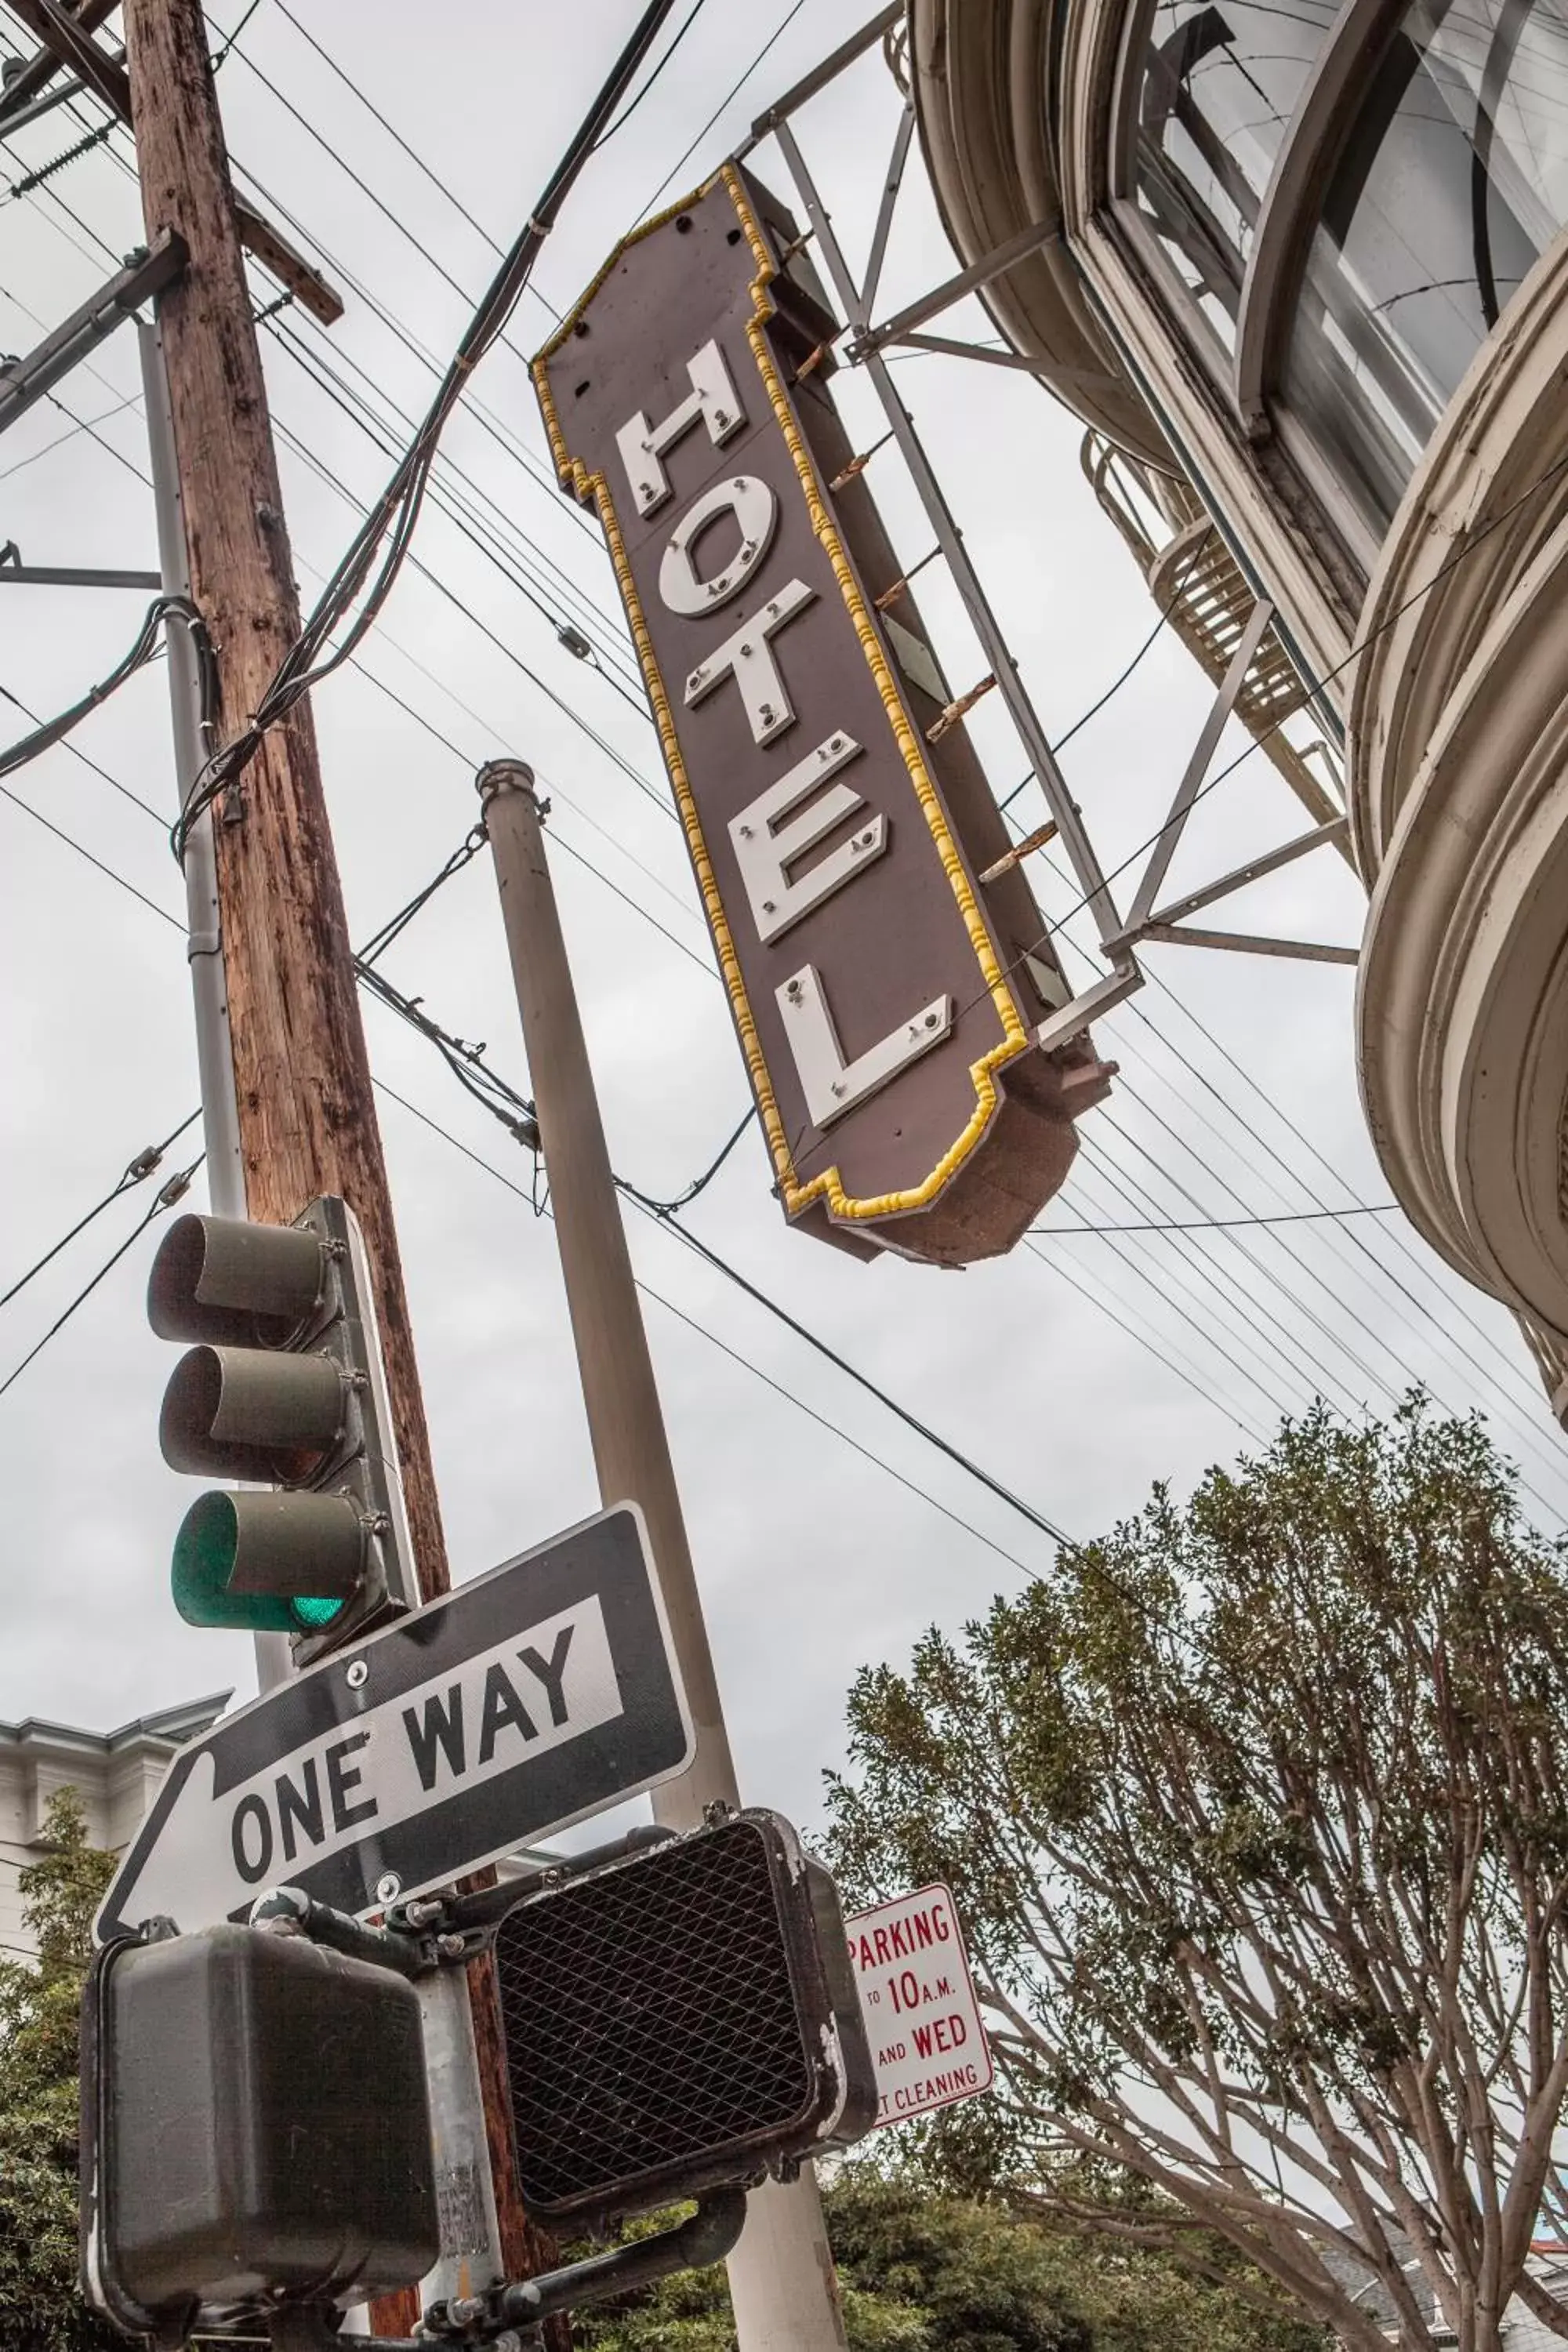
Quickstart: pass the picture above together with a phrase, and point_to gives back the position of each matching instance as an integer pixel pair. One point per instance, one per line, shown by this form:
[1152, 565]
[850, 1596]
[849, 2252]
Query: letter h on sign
[886, 1006]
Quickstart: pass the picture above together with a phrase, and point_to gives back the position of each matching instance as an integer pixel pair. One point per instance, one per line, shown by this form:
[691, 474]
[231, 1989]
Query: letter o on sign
[251, 1827]
[756, 512]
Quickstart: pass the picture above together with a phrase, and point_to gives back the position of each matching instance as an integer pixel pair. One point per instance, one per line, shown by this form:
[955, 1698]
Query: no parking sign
[921, 2011]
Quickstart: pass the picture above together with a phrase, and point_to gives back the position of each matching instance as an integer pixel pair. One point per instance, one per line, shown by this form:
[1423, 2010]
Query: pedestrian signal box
[682, 2016]
[255, 2130]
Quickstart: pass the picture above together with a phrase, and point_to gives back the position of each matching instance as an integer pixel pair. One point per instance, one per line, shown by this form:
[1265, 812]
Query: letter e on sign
[887, 1003]
[922, 2020]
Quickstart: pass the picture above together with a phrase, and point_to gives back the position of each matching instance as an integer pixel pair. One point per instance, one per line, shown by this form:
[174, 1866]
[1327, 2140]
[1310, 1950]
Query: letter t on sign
[643, 444]
[748, 657]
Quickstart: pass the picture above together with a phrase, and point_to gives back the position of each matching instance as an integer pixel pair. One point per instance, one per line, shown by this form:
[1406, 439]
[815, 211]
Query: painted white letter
[642, 445]
[749, 655]
[756, 512]
[831, 1085]
[767, 846]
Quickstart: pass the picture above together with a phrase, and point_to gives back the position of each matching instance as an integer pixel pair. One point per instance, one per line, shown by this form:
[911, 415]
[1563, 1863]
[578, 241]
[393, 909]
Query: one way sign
[524, 1701]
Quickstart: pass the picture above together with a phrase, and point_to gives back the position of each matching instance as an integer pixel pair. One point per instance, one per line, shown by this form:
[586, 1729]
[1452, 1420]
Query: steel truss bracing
[1229, 630]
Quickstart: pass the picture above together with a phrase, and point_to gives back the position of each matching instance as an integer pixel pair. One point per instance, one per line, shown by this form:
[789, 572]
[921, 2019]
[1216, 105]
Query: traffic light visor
[268, 1563]
[235, 1284]
[250, 1413]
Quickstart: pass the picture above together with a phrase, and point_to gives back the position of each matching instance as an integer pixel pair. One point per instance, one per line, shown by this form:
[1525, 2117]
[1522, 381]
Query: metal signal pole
[277, 997]
[782, 2280]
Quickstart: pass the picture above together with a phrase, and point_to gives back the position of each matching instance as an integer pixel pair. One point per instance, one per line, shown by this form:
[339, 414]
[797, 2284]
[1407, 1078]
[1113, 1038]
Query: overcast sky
[1077, 1371]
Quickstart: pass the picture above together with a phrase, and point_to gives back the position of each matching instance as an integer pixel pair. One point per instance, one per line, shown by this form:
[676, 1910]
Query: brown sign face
[886, 1005]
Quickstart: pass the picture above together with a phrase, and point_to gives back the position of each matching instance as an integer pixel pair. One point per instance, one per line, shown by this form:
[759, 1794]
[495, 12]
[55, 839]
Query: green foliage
[923, 2271]
[1256, 1815]
[41, 2308]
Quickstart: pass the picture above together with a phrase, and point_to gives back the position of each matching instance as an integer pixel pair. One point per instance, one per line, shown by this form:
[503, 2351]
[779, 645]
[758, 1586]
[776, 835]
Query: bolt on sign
[835, 811]
[918, 1999]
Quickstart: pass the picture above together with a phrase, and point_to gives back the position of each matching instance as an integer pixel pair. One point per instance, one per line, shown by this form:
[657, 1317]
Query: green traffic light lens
[206, 1553]
[205, 1550]
[313, 1613]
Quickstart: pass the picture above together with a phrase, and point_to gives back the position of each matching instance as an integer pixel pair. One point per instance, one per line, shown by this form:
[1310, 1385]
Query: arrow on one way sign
[527, 1700]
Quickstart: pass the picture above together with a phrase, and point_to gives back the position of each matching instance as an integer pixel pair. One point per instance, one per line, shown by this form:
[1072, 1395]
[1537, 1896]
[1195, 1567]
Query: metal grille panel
[651, 2020]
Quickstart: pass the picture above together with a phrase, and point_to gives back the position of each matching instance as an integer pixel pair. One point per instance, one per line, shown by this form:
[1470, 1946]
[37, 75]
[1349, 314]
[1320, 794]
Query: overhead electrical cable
[633, 102]
[145, 645]
[1335, 1294]
[71, 843]
[1432, 1329]
[834, 1428]
[137, 1172]
[364, 577]
[1222, 1224]
[734, 92]
[1478, 534]
[354, 85]
[229, 41]
[165, 1198]
[516, 1113]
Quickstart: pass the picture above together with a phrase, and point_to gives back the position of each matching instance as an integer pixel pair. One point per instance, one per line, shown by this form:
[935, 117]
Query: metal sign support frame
[863, 345]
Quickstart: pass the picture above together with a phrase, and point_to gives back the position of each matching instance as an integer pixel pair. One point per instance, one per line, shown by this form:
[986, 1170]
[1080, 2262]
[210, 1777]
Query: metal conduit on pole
[781, 2274]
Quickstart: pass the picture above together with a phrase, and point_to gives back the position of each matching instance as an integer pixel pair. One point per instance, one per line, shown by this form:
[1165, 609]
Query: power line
[1100, 703]
[123, 789]
[1428, 1326]
[1016, 1502]
[71, 843]
[54, 730]
[1095, 708]
[356, 91]
[1139, 1333]
[229, 39]
[698, 1185]
[516, 1113]
[632, 104]
[77, 425]
[363, 578]
[174, 1189]
[512, 1108]
[1315, 687]
[834, 1428]
[136, 1173]
[731, 94]
[1157, 1034]
[1221, 1224]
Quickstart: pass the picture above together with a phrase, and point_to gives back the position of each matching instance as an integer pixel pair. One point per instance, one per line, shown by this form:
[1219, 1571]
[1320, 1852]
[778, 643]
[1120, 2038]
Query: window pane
[1454, 179]
[1220, 86]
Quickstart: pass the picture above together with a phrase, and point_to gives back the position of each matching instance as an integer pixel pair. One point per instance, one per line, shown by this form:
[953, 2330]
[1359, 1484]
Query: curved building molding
[1462, 995]
[1021, 105]
[1343, 312]
[979, 77]
[1471, 524]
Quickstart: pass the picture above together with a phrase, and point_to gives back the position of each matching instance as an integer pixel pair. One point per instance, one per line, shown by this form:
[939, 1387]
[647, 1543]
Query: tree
[924, 2272]
[1256, 1813]
[41, 2309]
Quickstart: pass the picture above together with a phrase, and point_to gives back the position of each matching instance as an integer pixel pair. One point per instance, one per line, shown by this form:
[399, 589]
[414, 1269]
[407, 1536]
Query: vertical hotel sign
[835, 813]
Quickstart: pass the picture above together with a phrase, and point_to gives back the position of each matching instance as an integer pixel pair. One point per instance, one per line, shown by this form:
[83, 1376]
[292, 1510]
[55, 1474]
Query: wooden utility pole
[307, 1118]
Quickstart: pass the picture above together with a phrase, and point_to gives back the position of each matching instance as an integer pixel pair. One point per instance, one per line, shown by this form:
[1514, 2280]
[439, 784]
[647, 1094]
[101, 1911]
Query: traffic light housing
[285, 1385]
[256, 2128]
[678, 2017]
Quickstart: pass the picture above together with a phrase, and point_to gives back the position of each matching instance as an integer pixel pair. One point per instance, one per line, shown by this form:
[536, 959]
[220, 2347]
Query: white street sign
[526, 1700]
[921, 2012]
